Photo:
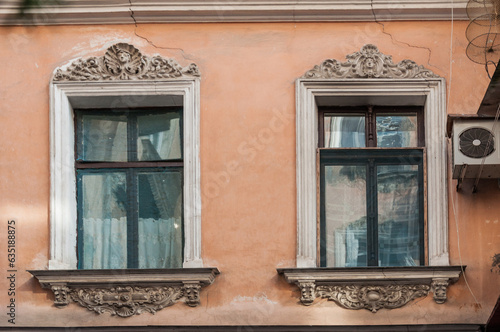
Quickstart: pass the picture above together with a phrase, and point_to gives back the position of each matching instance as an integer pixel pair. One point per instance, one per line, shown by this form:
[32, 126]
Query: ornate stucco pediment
[124, 62]
[369, 62]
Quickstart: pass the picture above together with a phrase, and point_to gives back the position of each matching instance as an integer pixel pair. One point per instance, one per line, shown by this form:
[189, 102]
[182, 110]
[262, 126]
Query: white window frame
[64, 97]
[429, 93]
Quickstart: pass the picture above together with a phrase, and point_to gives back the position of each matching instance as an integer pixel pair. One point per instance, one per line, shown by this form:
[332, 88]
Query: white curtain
[159, 243]
[105, 243]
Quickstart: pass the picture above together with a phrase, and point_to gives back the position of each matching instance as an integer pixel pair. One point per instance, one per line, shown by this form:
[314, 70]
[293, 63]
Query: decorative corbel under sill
[372, 288]
[126, 292]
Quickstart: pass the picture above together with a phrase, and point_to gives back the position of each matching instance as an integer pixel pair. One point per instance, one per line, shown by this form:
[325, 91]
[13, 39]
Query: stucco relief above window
[372, 218]
[123, 62]
[135, 142]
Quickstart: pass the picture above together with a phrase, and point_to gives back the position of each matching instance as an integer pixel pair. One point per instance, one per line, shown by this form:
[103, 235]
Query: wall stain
[495, 267]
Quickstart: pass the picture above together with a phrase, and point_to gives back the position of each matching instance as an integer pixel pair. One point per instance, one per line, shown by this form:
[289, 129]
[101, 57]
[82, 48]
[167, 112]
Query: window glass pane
[345, 216]
[103, 220]
[344, 131]
[160, 219]
[102, 138]
[397, 131]
[398, 215]
[159, 136]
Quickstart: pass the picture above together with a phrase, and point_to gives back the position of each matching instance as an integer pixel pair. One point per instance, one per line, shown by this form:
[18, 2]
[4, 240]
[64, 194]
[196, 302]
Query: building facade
[242, 165]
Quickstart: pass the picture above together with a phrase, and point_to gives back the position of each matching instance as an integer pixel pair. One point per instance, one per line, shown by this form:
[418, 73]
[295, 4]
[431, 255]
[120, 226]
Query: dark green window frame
[370, 157]
[131, 168]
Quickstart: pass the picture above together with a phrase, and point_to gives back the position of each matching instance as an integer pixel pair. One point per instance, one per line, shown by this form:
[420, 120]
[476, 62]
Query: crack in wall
[394, 40]
[150, 42]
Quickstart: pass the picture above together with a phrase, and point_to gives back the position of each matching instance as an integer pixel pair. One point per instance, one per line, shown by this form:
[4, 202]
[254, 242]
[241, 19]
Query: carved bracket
[369, 62]
[372, 288]
[125, 293]
[124, 62]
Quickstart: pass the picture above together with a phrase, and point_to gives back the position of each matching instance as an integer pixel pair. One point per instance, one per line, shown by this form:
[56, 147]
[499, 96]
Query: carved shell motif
[124, 62]
[368, 63]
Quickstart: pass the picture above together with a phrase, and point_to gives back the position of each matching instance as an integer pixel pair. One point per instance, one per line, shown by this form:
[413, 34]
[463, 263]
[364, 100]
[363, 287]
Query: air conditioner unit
[473, 141]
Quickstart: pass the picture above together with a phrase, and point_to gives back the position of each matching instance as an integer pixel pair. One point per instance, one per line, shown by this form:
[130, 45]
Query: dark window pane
[345, 216]
[102, 138]
[397, 131]
[344, 131]
[159, 136]
[103, 220]
[160, 219]
[398, 215]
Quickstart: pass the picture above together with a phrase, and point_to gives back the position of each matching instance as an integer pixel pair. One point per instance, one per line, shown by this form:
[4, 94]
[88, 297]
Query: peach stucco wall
[247, 164]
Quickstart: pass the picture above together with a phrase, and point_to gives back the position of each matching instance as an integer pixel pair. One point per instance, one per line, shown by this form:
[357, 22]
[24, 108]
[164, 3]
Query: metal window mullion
[132, 136]
[132, 219]
[421, 209]
[79, 242]
[322, 231]
[372, 214]
[132, 192]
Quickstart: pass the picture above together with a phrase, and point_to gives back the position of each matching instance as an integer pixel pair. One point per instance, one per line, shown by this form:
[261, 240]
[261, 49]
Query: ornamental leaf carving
[124, 62]
[61, 297]
[128, 300]
[439, 287]
[372, 298]
[192, 293]
[369, 62]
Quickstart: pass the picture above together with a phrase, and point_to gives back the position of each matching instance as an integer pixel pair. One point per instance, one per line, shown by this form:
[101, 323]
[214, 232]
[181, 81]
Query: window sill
[372, 288]
[126, 292]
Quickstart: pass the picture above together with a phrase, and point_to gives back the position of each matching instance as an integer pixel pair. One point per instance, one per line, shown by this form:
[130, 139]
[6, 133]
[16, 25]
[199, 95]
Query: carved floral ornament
[369, 62]
[125, 293]
[372, 288]
[124, 62]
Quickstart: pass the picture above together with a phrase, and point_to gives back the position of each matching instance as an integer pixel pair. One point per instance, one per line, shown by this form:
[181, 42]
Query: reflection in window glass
[398, 215]
[396, 131]
[103, 138]
[159, 136]
[344, 131]
[345, 216]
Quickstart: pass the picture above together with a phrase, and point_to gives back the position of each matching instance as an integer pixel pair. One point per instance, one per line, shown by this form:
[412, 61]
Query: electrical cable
[452, 200]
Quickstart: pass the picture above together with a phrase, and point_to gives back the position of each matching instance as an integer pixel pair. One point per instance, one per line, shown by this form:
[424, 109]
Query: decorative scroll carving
[372, 298]
[125, 293]
[128, 300]
[307, 291]
[372, 288]
[61, 296]
[192, 293]
[369, 62]
[124, 62]
[439, 287]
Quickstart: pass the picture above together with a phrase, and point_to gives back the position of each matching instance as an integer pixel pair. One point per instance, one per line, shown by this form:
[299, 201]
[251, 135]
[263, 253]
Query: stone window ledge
[372, 288]
[126, 292]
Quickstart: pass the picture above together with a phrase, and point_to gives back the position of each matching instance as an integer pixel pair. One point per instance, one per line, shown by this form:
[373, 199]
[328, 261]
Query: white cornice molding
[196, 11]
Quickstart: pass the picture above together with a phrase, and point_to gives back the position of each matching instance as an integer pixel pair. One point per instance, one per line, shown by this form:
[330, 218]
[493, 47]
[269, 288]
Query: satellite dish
[483, 32]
